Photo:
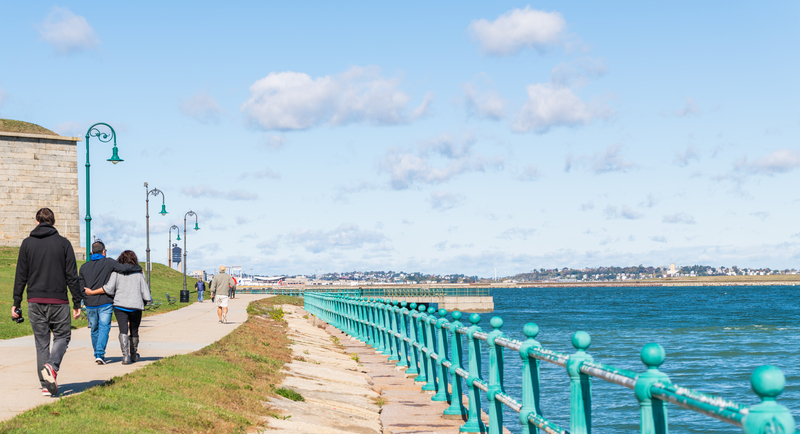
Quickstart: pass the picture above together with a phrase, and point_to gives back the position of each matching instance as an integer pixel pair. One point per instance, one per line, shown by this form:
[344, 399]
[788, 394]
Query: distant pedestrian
[220, 291]
[233, 288]
[46, 266]
[200, 286]
[94, 274]
[130, 294]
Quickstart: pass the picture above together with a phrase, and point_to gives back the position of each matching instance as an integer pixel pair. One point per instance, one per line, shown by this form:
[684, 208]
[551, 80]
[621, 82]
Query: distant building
[199, 275]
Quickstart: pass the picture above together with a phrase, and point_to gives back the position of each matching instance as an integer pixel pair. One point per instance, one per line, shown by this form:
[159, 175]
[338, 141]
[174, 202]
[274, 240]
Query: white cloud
[612, 212]
[343, 191]
[658, 239]
[516, 234]
[270, 246]
[610, 160]
[273, 142]
[197, 191]
[406, 167]
[577, 73]
[650, 201]
[518, 29]
[683, 159]
[117, 234]
[242, 220]
[530, 173]
[346, 236]
[682, 218]
[761, 215]
[690, 108]
[780, 161]
[67, 33]
[295, 101]
[487, 104]
[202, 107]
[550, 106]
[586, 206]
[445, 200]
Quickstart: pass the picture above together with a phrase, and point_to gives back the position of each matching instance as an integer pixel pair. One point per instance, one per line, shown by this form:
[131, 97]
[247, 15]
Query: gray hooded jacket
[129, 291]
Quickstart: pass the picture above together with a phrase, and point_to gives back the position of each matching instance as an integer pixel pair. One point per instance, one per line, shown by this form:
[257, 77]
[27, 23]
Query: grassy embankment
[162, 279]
[220, 388]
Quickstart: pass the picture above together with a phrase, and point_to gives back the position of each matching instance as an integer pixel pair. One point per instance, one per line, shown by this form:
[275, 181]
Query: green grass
[221, 388]
[289, 394]
[162, 280]
[12, 126]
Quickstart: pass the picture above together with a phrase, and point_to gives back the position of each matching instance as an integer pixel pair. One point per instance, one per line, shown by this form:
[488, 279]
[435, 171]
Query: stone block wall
[38, 171]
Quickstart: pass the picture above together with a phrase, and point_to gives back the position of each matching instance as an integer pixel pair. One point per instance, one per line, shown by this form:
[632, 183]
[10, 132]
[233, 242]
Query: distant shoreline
[646, 284]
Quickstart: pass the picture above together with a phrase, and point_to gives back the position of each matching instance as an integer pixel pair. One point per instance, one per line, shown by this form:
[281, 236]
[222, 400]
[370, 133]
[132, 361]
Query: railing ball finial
[581, 340]
[768, 382]
[395, 302]
[653, 355]
[413, 306]
[531, 330]
[431, 310]
[496, 322]
[456, 315]
[403, 304]
[474, 319]
[442, 312]
[421, 308]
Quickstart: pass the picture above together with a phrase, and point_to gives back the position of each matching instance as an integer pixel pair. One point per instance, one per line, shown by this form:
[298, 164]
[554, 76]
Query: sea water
[714, 337]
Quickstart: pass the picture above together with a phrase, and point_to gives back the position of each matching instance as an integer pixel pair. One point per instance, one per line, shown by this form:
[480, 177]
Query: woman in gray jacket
[130, 294]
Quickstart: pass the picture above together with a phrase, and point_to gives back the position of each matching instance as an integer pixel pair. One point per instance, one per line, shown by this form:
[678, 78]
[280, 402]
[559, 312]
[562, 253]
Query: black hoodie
[46, 265]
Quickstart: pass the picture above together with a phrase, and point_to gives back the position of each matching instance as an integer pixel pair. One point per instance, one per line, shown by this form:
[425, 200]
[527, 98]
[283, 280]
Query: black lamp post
[153, 192]
[185, 292]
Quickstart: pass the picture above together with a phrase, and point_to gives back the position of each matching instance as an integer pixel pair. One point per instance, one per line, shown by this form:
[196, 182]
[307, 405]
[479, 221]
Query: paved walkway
[178, 332]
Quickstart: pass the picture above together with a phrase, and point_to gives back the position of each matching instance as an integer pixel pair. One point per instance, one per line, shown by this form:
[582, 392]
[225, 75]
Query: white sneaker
[100, 361]
[46, 392]
[224, 318]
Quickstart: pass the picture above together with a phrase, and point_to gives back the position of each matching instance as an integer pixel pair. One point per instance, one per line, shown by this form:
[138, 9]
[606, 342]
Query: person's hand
[76, 313]
[14, 312]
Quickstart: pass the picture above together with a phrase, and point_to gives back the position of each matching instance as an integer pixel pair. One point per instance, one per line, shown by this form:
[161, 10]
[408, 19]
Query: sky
[440, 137]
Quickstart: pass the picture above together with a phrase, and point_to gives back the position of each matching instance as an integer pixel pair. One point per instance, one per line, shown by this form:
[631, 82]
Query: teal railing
[371, 292]
[416, 339]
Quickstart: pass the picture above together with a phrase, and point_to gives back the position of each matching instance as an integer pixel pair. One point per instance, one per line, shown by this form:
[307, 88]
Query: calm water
[714, 338]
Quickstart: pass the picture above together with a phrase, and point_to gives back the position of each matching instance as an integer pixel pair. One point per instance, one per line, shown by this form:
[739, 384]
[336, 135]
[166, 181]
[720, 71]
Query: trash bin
[184, 295]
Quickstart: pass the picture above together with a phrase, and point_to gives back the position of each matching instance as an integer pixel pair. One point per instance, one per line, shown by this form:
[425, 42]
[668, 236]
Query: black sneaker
[49, 375]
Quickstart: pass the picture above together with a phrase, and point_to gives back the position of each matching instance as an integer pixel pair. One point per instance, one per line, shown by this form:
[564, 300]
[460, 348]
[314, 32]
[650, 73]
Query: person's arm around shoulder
[111, 286]
[20, 278]
[127, 268]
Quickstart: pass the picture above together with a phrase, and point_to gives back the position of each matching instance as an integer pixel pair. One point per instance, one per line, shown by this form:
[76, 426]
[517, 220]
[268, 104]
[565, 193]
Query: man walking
[200, 286]
[99, 307]
[220, 288]
[46, 265]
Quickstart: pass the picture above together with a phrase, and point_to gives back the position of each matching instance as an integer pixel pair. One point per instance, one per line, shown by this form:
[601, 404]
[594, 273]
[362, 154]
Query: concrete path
[178, 332]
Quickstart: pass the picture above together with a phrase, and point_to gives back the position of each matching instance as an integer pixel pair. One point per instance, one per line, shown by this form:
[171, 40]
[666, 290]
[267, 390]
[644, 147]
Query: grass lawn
[219, 389]
[162, 279]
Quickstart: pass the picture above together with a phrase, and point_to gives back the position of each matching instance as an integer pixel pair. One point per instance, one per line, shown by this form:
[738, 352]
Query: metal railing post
[441, 351]
[768, 417]
[403, 350]
[580, 386]
[456, 409]
[413, 369]
[474, 423]
[653, 412]
[530, 379]
[495, 377]
[392, 312]
[387, 341]
[430, 371]
[423, 362]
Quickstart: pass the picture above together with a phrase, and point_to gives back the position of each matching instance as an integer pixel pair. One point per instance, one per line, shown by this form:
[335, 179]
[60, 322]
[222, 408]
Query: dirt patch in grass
[221, 388]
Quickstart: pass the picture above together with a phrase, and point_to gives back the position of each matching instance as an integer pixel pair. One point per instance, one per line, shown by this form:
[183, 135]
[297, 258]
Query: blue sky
[453, 137]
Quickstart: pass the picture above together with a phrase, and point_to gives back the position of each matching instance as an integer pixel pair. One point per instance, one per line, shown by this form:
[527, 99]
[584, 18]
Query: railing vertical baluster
[530, 379]
[392, 312]
[768, 417]
[653, 412]
[403, 350]
[474, 423]
[495, 377]
[387, 348]
[456, 409]
[430, 371]
[423, 362]
[373, 309]
[441, 351]
[580, 386]
[379, 326]
[412, 335]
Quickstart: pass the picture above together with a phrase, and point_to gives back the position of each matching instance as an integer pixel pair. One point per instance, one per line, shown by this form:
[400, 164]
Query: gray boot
[134, 349]
[124, 345]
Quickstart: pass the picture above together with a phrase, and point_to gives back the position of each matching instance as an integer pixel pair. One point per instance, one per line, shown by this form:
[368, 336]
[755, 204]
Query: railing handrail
[382, 323]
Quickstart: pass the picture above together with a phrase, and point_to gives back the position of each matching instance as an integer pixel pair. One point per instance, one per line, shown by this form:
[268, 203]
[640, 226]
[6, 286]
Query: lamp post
[153, 192]
[185, 292]
[169, 250]
[105, 138]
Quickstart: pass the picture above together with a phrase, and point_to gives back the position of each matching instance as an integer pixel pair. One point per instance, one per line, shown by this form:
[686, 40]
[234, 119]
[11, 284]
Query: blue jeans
[200, 295]
[100, 323]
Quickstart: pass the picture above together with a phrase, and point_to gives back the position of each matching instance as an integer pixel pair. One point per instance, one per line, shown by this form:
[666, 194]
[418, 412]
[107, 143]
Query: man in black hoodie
[94, 274]
[46, 265]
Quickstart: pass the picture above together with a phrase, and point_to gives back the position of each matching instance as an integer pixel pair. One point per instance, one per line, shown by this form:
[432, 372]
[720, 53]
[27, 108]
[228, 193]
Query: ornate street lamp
[105, 138]
[185, 292]
[148, 193]
[178, 230]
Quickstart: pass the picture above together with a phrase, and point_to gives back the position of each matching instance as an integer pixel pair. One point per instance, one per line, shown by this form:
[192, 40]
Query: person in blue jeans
[99, 307]
[200, 286]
